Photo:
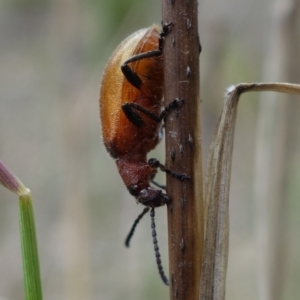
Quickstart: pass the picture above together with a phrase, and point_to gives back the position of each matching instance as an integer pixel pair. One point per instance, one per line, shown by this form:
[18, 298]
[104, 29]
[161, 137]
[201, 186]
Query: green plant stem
[31, 269]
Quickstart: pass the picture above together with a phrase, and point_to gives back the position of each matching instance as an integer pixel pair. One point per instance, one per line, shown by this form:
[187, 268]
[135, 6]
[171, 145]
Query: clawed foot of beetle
[164, 32]
[154, 163]
[173, 105]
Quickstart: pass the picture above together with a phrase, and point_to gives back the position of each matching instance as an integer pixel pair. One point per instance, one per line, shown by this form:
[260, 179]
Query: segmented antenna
[137, 220]
[156, 249]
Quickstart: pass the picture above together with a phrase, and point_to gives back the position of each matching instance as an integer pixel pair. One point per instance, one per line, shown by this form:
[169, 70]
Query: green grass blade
[31, 269]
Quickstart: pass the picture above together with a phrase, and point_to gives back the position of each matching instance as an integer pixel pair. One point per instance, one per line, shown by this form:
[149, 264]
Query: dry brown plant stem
[183, 148]
[213, 276]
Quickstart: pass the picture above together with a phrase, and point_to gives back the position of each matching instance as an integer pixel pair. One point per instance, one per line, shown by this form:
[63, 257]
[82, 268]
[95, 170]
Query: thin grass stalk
[31, 269]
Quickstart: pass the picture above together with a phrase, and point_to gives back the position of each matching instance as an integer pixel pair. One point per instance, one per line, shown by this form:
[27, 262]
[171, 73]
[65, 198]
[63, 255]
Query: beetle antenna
[156, 249]
[137, 220]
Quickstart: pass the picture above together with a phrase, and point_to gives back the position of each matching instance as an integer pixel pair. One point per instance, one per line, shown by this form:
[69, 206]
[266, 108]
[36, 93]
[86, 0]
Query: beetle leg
[130, 108]
[165, 30]
[132, 76]
[154, 163]
[174, 104]
[161, 186]
[132, 115]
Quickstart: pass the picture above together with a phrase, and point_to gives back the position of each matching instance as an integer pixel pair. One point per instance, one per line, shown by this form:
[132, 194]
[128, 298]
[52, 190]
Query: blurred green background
[52, 55]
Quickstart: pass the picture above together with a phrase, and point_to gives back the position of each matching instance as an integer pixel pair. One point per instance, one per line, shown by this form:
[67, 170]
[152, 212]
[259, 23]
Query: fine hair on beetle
[132, 114]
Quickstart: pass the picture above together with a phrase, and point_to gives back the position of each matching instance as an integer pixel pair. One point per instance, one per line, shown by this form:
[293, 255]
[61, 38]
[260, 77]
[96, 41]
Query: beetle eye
[132, 189]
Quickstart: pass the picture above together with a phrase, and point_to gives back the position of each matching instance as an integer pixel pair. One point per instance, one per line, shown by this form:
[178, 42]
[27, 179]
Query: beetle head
[152, 197]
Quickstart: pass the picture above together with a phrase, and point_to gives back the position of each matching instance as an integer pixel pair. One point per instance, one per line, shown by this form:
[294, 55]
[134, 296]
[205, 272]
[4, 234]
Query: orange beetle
[131, 115]
[130, 105]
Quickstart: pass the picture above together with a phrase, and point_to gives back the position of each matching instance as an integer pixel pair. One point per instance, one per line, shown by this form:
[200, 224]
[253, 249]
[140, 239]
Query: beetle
[131, 115]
